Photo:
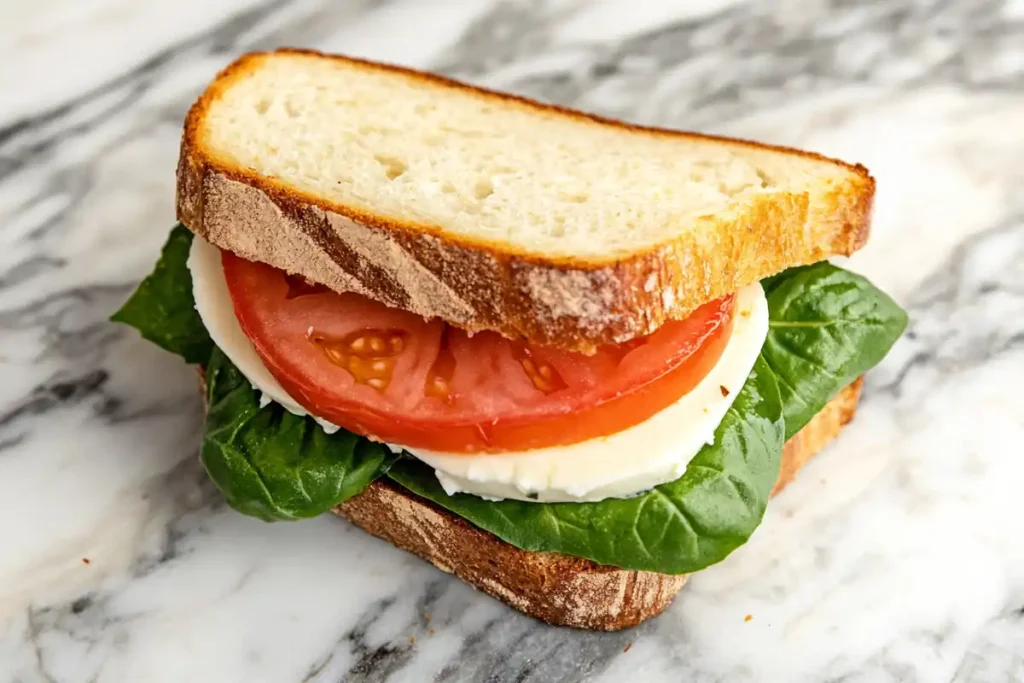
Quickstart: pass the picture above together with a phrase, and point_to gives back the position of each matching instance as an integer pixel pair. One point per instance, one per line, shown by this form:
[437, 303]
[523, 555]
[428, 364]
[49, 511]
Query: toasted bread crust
[556, 588]
[571, 303]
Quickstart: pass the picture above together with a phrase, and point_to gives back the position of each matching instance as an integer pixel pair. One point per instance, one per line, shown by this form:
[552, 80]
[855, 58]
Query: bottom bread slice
[556, 588]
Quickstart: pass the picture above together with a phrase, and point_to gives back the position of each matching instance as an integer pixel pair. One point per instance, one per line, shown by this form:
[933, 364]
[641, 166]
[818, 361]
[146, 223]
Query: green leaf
[272, 464]
[162, 308]
[675, 528]
[827, 327]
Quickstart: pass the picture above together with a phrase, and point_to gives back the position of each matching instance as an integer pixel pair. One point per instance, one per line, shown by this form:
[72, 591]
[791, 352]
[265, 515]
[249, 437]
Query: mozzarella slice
[621, 465]
[213, 303]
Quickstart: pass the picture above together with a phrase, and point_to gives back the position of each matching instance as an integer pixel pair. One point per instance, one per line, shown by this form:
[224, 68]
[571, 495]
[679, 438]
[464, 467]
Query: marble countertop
[897, 554]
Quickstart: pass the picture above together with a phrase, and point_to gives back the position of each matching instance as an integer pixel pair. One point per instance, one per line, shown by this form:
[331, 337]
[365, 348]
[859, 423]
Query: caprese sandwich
[565, 358]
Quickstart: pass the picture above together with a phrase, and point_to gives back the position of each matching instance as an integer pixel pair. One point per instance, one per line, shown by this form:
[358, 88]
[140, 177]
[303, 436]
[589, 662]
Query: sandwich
[562, 357]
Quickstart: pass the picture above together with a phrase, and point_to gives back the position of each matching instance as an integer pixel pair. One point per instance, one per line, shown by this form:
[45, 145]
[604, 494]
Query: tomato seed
[543, 375]
[368, 355]
[441, 372]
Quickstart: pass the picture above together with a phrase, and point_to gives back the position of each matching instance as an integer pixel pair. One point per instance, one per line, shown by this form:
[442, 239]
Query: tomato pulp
[393, 376]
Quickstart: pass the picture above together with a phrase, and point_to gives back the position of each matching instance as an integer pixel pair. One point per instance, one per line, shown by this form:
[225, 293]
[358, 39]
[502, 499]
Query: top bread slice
[492, 211]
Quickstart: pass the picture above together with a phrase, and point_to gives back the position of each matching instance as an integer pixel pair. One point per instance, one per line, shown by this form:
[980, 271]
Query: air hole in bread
[262, 105]
[293, 109]
[393, 166]
[766, 180]
[463, 132]
[701, 177]
[701, 172]
[575, 197]
[483, 189]
[376, 130]
[447, 188]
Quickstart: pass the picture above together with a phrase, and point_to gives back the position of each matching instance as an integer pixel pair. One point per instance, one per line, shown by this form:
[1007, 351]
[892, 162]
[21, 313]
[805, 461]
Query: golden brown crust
[559, 589]
[556, 588]
[572, 303]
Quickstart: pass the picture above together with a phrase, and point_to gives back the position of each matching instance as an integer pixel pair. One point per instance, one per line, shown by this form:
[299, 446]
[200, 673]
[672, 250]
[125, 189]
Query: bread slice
[556, 588]
[492, 211]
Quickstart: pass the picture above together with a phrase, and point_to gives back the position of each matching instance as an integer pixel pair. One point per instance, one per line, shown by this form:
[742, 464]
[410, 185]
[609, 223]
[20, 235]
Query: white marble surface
[896, 556]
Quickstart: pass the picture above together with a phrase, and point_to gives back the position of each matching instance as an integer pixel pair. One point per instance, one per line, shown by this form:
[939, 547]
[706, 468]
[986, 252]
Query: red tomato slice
[393, 376]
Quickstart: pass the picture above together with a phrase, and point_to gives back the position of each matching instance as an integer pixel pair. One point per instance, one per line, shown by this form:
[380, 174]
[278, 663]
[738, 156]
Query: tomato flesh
[393, 376]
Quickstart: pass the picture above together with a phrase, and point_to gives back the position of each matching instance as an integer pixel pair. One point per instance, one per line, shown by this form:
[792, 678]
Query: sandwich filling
[652, 451]
[728, 388]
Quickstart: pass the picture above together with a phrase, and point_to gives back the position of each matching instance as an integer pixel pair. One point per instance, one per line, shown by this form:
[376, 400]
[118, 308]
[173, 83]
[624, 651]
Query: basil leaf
[675, 528]
[272, 464]
[162, 308]
[827, 327]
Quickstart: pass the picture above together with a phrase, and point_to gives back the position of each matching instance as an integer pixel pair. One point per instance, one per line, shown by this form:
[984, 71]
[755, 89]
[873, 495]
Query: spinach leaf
[272, 464]
[162, 308]
[675, 528]
[827, 327]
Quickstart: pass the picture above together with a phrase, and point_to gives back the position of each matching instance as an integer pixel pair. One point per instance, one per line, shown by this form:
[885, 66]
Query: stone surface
[895, 556]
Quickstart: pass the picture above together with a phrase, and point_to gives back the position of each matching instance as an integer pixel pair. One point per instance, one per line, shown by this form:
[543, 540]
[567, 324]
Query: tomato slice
[393, 376]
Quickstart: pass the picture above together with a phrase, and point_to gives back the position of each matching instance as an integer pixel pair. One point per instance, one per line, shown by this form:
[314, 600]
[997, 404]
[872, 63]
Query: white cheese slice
[213, 303]
[620, 465]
